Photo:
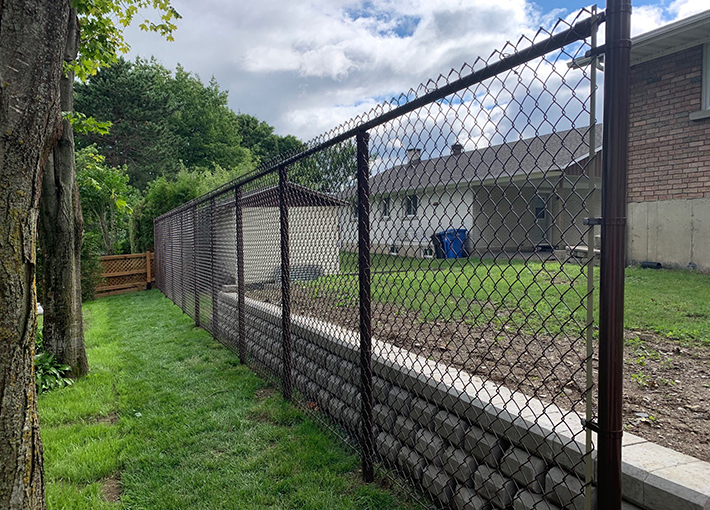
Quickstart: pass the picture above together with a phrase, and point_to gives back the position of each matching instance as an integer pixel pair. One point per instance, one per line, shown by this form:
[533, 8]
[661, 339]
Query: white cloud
[645, 18]
[685, 8]
[307, 66]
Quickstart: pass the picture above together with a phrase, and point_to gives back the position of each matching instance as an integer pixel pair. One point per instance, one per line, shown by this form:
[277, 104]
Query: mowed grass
[533, 296]
[169, 417]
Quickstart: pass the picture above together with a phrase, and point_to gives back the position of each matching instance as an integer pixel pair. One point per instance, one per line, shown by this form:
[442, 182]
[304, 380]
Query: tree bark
[61, 230]
[32, 39]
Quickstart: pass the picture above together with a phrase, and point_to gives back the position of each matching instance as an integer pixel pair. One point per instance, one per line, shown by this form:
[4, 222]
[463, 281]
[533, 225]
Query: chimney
[414, 155]
[456, 149]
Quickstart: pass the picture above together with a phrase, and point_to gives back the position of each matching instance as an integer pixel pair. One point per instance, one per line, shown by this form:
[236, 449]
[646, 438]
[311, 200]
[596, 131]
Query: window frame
[385, 207]
[408, 199]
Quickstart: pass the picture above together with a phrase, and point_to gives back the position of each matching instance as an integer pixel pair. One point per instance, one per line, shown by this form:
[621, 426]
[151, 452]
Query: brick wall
[669, 154]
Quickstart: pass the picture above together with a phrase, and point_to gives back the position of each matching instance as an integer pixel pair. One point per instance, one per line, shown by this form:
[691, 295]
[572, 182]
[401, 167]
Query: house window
[411, 204]
[385, 207]
[540, 209]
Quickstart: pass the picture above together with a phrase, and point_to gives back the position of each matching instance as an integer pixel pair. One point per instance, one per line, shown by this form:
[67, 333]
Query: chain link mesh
[451, 351]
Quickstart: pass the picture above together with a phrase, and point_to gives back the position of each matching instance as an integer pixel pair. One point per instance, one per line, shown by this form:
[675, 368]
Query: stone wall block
[384, 416]
[566, 489]
[349, 371]
[335, 385]
[526, 469]
[380, 389]
[423, 412]
[387, 447]
[429, 445]
[459, 464]
[525, 500]
[494, 487]
[405, 429]
[400, 400]
[467, 499]
[411, 462]
[484, 446]
[351, 395]
[438, 484]
[450, 427]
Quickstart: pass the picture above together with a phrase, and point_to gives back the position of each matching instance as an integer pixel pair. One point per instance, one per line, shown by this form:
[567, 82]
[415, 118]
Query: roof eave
[672, 38]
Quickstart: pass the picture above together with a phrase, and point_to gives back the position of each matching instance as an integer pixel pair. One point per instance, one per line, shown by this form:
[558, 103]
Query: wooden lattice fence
[126, 273]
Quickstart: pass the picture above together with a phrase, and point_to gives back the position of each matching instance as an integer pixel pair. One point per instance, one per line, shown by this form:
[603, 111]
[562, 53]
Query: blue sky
[307, 66]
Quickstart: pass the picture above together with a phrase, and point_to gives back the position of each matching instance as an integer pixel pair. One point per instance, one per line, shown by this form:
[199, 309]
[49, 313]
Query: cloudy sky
[306, 66]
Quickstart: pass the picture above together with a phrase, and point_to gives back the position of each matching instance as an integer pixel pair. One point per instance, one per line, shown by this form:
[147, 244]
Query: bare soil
[112, 488]
[111, 419]
[666, 385]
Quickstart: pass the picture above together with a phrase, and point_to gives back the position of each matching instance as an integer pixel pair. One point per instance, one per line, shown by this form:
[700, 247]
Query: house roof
[671, 38]
[296, 196]
[524, 158]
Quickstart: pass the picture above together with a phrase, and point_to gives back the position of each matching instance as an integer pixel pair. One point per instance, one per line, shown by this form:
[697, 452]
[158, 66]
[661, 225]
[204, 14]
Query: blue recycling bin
[452, 241]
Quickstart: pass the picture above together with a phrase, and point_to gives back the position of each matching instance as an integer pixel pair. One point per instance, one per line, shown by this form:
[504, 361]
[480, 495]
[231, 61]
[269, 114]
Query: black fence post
[285, 285]
[213, 282]
[156, 250]
[363, 213]
[171, 261]
[611, 288]
[241, 335]
[195, 252]
[183, 293]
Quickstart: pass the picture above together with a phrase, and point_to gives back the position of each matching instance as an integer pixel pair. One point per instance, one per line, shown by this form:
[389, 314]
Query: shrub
[48, 373]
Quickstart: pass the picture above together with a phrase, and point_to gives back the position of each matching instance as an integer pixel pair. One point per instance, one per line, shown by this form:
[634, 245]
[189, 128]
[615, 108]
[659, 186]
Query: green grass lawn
[171, 418]
[536, 296]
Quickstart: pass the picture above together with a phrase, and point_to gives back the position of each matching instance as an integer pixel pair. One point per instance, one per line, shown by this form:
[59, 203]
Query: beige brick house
[669, 145]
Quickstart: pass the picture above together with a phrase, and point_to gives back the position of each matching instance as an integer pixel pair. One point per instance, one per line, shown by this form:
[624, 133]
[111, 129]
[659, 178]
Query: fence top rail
[381, 114]
[127, 256]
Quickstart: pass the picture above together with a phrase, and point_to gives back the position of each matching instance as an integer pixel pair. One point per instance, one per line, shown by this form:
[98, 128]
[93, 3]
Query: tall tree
[61, 221]
[135, 98]
[207, 128]
[61, 227]
[162, 122]
[32, 40]
[259, 138]
[105, 194]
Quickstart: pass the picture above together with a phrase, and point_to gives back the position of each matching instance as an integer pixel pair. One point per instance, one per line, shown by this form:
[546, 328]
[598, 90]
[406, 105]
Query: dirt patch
[666, 387]
[264, 393]
[667, 393]
[112, 488]
[111, 419]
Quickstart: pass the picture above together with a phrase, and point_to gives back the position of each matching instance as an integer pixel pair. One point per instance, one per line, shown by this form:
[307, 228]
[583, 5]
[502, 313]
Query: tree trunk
[32, 38]
[61, 230]
[105, 236]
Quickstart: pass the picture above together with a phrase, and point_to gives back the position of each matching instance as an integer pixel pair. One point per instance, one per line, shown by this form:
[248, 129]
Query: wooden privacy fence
[126, 273]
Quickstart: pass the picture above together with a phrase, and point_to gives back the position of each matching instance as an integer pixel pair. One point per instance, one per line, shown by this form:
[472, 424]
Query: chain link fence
[420, 280]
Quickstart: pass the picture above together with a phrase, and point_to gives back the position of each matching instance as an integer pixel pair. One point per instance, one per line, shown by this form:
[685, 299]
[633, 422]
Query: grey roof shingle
[554, 151]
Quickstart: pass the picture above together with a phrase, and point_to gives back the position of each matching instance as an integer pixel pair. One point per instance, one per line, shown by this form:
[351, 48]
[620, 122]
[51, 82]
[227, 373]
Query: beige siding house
[313, 235]
[523, 196]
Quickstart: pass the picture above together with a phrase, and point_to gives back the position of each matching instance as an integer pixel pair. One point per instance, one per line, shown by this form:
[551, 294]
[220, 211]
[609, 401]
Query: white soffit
[671, 38]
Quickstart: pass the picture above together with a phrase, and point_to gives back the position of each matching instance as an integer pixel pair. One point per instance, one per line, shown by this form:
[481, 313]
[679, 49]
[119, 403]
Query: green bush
[48, 373]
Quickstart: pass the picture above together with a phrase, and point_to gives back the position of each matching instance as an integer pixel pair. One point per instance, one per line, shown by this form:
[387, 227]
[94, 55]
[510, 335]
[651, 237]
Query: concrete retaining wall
[472, 444]
[673, 232]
